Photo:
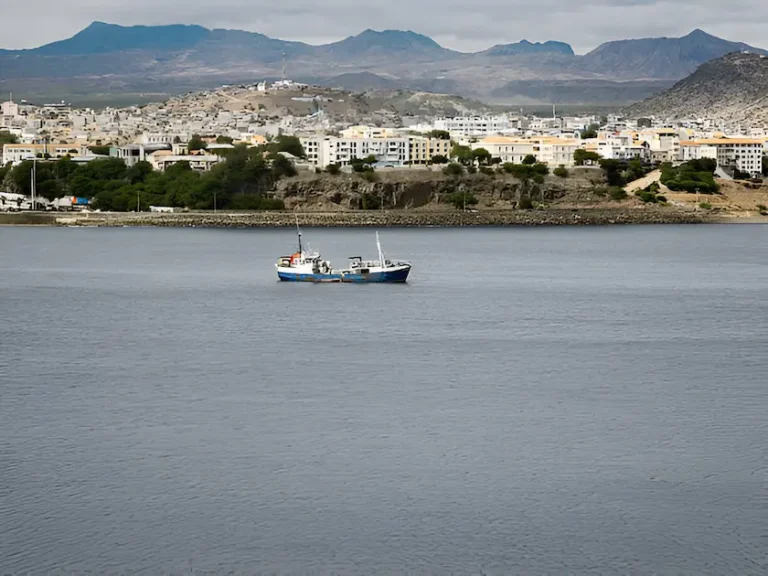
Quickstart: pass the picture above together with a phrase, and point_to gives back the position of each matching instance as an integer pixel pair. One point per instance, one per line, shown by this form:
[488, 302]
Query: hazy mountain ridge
[526, 47]
[107, 57]
[661, 57]
[733, 88]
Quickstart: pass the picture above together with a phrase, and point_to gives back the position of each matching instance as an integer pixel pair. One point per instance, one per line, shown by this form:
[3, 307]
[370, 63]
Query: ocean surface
[533, 401]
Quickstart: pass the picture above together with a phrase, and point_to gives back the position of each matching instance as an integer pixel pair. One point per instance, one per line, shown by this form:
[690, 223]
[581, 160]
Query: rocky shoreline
[392, 218]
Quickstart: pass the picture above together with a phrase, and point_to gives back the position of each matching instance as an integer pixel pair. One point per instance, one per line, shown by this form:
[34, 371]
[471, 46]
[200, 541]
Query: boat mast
[298, 231]
[378, 246]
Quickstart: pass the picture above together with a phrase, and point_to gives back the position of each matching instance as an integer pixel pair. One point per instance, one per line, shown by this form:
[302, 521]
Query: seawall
[392, 218]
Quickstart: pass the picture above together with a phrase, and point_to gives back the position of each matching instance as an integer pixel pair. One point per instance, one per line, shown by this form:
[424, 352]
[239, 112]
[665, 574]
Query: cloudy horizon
[451, 23]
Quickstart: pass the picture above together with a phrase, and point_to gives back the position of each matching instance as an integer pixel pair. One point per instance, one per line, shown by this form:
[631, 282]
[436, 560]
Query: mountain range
[733, 88]
[111, 58]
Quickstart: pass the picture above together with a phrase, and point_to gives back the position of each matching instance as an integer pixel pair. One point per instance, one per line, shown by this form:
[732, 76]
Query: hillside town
[332, 132]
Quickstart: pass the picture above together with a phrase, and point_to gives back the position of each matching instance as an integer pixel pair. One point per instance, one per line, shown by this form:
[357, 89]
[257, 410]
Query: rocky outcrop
[733, 88]
[414, 189]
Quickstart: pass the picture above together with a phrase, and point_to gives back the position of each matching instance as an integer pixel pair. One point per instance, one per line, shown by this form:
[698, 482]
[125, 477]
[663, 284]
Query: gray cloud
[456, 24]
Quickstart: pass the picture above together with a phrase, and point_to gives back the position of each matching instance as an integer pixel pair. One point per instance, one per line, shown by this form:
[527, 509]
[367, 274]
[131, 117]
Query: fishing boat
[309, 266]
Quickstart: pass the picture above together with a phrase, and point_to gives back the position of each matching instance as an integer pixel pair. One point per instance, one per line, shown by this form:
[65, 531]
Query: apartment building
[512, 150]
[557, 151]
[745, 154]
[325, 150]
[664, 143]
[16, 153]
[422, 150]
[626, 147]
[369, 132]
[548, 150]
[154, 138]
[467, 126]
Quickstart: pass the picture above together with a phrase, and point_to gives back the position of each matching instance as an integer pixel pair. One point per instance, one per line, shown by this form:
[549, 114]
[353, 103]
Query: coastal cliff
[430, 190]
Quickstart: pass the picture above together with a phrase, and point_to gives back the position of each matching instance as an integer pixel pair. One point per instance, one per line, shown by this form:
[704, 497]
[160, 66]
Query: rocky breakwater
[401, 218]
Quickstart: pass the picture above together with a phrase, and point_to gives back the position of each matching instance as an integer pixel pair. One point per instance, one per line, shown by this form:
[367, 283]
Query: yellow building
[16, 153]
[423, 149]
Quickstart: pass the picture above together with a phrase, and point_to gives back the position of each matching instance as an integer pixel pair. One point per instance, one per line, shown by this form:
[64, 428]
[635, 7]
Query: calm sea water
[534, 401]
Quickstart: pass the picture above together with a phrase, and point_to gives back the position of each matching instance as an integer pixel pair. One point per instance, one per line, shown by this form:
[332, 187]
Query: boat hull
[397, 275]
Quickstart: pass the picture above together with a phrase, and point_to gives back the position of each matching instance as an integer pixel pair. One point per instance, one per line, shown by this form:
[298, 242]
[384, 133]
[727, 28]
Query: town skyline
[453, 26]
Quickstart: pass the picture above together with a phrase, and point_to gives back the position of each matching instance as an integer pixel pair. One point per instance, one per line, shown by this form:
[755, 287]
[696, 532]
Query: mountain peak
[700, 35]
[526, 47]
[729, 88]
[661, 57]
[99, 37]
[386, 40]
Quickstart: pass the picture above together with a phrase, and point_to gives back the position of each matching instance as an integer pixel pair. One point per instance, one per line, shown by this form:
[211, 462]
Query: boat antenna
[298, 231]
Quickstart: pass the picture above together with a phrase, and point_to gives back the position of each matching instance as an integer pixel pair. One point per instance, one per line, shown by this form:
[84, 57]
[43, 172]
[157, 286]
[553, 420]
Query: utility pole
[138, 201]
[34, 180]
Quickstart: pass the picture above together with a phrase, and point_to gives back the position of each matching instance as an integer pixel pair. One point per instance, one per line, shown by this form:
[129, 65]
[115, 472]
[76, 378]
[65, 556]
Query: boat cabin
[357, 263]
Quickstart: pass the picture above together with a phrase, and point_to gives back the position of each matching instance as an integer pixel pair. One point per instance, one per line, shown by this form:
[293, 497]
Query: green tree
[100, 150]
[560, 172]
[462, 199]
[612, 170]
[281, 166]
[7, 138]
[765, 166]
[482, 156]
[3, 171]
[439, 159]
[370, 201]
[529, 160]
[525, 203]
[333, 169]
[363, 164]
[691, 176]
[617, 193]
[290, 144]
[462, 154]
[139, 172]
[590, 131]
[582, 157]
[196, 143]
[453, 169]
[224, 140]
[439, 134]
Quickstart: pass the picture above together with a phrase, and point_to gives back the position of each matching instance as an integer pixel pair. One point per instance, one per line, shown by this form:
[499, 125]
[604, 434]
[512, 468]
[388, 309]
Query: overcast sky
[456, 24]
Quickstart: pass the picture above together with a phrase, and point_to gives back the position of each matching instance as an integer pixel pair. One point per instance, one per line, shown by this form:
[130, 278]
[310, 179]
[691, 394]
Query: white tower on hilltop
[10, 108]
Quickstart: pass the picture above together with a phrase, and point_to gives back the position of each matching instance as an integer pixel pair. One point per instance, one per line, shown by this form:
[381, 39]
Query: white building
[10, 109]
[16, 153]
[369, 132]
[551, 151]
[468, 126]
[623, 147]
[325, 150]
[161, 138]
[745, 154]
[131, 154]
[161, 159]
[512, 150]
